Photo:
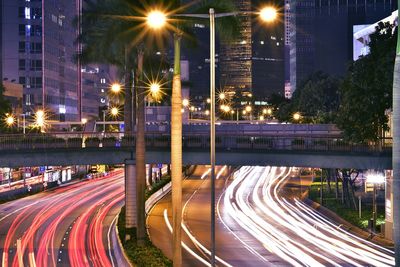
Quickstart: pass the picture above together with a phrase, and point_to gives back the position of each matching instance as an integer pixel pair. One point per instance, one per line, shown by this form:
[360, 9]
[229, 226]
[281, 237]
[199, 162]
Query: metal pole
[212, 131]
[374, 209]
[322, 187]
[104, 121]
[359, 207]
[23, 123]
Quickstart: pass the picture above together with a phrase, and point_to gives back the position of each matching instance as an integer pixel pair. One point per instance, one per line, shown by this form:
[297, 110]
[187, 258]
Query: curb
[120, 244]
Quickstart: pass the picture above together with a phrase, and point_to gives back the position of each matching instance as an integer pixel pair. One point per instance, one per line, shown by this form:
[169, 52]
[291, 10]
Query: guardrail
[157, 141]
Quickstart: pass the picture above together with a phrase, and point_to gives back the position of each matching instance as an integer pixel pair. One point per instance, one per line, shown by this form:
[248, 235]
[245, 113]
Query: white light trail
[290, 229]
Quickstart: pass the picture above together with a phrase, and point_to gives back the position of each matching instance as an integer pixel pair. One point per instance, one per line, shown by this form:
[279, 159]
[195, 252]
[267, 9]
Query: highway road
[70, 226]
[260, 222]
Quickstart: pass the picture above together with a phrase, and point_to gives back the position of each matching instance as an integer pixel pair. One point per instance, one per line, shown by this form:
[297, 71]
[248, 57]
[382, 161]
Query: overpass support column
[130, 196]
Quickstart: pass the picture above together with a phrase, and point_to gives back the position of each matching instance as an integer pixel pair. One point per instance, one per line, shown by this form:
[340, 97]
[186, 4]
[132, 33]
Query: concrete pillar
[130, 195]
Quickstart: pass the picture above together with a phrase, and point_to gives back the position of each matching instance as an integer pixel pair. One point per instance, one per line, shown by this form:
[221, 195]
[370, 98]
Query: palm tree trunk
[128, 96]
[396, 152]
[140, 154]
[176, 154]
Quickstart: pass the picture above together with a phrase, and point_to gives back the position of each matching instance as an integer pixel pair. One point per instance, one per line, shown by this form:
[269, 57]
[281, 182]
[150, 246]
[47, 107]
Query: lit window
[27, 12]
[262, 42]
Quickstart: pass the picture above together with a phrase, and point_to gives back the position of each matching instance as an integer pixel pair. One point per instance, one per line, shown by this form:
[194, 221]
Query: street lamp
[10, 120]
[156, 19]
[375, 179]
[185, 102]
[40, 119]
[296, 116]
[222, 96]
[116, 88]
[268, 14]
[114, 111]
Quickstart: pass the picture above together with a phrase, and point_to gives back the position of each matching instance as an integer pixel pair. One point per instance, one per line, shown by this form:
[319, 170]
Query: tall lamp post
[267, 14]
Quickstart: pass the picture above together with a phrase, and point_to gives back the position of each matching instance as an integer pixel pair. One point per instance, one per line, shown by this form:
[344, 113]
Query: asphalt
[261, 221]
[69, 226]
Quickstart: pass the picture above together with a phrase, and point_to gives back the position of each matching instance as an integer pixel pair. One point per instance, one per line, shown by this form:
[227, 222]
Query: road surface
[69, 226]
[260, 222]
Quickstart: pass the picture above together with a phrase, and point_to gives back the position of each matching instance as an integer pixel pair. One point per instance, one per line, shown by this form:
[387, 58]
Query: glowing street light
[185, 102]
[10, 120]
[39, 118]
[116, 88]
[114, 111]
[207, 113]
[248, 109]
[222, 96]
[296, 116]
[84, 120]
[156, 19]
[375, 179]
[269, 111]
[208, 100]
[155, 89]
[268, 14]
[261, 118]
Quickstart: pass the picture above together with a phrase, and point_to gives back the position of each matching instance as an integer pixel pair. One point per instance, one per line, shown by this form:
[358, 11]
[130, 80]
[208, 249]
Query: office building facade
[321, 34]
[38, 51]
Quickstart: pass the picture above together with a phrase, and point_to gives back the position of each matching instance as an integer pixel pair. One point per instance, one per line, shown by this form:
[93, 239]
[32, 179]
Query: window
[22, 80]
[21, 64]
[21, 47]
[36, 65]
[21, 12]
[28, 31]
[21, 29]
[28, 99]
[27, 13]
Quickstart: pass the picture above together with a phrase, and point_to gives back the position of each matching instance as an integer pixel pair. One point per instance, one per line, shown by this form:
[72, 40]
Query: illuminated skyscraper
[38, 49]
[236, 57]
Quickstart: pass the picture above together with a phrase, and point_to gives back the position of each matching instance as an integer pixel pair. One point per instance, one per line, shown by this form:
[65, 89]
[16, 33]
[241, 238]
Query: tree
[316, 99]
[366, 93]
[5, 108]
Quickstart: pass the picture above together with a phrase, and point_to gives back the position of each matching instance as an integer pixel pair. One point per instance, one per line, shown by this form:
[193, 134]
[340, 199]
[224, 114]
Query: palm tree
[113, 34]
[396, 151]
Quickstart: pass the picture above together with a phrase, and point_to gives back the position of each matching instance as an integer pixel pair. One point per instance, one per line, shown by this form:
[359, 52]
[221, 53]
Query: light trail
[49, 216]
[290, 229]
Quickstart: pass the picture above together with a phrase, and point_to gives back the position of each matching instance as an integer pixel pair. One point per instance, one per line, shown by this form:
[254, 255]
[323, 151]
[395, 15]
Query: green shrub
[147, 255]
[298, 142]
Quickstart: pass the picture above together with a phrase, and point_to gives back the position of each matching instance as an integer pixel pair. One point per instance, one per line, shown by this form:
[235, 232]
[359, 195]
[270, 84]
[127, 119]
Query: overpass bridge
[251, 145]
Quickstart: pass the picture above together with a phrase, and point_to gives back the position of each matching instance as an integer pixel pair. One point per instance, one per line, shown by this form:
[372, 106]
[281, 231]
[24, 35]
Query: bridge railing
[194, 141]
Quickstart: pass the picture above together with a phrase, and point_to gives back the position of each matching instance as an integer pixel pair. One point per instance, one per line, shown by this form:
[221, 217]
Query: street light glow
[222, 96]
[375, 178]
[10, 120]
[156, 19]
[296, 116]
[268, 14]
[248, 109]
[116, 88]
[84, 120]
[39, 118]
[114, 111]
[208, 100]
[155, 89]
[185, 102]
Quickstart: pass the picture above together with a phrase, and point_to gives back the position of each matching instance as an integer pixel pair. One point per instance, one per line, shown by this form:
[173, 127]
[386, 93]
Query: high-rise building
[235, 57]
[268, 52]
[321, 33]
[38, 50]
